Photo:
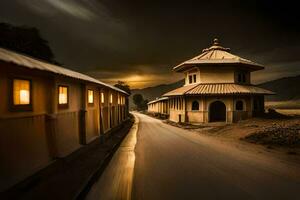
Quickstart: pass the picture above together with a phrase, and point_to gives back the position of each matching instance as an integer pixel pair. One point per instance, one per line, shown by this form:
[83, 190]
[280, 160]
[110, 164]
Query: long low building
[47, 112]
[159, 106]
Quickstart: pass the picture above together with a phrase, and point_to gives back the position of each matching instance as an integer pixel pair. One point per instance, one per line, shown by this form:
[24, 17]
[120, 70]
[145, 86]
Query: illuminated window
[21, 92]
[90, 96]
[111, 98]
[102, 97]
[63, 95]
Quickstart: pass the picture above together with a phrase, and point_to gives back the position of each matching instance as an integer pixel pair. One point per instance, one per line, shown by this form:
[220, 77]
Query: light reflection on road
[116, 181]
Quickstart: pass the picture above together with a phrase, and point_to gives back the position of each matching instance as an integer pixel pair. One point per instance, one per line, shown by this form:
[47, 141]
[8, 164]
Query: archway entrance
[217, 112]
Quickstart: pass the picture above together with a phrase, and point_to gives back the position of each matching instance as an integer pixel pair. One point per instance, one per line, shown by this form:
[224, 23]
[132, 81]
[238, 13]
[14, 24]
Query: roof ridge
[35, 63]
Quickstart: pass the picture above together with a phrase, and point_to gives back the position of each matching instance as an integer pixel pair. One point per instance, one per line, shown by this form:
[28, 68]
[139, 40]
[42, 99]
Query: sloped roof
[32, 63]
[158, 99]
[217, 55]
[180, 91]
[218, 89]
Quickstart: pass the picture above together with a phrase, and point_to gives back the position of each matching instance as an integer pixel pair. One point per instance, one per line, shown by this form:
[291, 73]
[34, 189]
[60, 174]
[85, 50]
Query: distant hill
[286, 89]
[151, 93]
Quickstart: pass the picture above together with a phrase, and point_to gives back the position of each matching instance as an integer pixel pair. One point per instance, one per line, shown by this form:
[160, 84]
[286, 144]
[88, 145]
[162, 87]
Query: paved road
[171, 163]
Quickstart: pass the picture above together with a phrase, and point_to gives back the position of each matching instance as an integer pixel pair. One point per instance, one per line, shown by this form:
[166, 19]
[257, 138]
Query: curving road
[171, 163]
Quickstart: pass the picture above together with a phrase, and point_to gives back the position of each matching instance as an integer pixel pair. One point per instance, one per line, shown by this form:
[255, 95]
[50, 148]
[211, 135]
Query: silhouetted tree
[123, 86]
[26, 40]
[139, 101]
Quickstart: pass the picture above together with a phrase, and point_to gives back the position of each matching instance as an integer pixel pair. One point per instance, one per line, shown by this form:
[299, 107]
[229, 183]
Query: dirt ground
[238, 135]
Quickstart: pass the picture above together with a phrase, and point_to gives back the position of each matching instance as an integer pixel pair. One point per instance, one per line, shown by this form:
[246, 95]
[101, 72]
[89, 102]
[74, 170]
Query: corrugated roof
[158, 99]
[180, 91]
[217, 54]
[32, 63]
[219, 89]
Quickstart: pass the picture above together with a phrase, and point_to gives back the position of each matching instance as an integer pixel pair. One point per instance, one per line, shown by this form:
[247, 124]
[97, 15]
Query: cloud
[119, 40]
[72, 8]
[137, 76]
[85, 9]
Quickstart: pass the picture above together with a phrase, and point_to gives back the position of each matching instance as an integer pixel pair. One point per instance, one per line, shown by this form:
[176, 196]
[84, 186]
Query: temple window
[195, 105]
[190, 79]
[255, 104]
[195, 78]
[241, 77]
[239, 105]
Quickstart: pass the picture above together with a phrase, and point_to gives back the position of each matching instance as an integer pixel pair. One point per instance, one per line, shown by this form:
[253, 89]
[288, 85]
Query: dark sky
[140, 41]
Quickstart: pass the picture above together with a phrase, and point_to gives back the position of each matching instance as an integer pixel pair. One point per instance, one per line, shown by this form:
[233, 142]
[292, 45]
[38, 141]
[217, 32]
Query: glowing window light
[102, 97]
[90, 96]
[21, 92]
[24, 97]
[111, 98]
[63, 95]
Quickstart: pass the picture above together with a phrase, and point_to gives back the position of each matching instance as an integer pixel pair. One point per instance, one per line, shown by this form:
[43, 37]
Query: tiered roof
[217, 89]
[218, 56]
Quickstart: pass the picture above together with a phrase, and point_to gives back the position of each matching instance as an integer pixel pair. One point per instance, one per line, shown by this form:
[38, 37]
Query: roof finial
[216, 46]
[216, 42]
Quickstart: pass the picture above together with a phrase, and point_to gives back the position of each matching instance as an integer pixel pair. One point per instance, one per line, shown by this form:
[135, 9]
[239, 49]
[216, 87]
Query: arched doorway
[217, 112]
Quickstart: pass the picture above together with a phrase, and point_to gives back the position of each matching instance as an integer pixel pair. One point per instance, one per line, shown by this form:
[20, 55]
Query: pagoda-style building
[217, 88]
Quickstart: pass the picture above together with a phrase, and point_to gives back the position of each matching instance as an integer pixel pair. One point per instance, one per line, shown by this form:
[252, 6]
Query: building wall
[177, 109]
[30, 140]
[195, 116]
[208, 75]
[24, 144]
[247, 108]
[233, 115]
[67, 134]
[182, 106]
[160, 107]
[105, 110]
[202, 115]
[92, 114]
[193, 71]
[217, 75]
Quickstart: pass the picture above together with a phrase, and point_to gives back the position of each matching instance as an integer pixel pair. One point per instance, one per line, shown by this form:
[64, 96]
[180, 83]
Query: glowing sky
[140, 41]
